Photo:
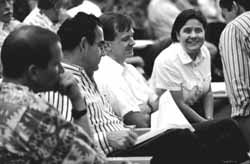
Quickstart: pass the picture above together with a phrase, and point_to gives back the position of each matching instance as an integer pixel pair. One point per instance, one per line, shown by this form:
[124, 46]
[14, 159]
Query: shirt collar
[186, 59]
[107, 61]
[75, 68]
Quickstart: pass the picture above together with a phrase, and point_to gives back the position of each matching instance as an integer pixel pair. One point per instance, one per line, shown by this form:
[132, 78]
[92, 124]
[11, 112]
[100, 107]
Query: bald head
[26, 46]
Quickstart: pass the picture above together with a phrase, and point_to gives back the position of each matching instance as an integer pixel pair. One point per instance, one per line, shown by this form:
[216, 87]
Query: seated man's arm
[69, 102]
[123, 106]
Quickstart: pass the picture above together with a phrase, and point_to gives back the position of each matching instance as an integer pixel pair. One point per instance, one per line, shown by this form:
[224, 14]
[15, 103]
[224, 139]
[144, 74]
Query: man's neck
[71, 58]
[18, 81]
[119, 61]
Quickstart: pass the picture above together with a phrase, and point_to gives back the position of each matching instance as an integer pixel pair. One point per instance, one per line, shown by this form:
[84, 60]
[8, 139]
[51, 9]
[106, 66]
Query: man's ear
[33, 72]
[236, 8]
[108, 46]
[83, 44]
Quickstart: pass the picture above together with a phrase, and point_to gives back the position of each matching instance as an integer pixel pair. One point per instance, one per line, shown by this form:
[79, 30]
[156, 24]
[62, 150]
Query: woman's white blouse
[175, 70]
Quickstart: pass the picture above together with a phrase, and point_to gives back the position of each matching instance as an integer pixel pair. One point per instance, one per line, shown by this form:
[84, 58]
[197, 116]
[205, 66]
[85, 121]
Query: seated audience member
[82, 43]
[48, 14]
[31, 130]
[184, 67]
[7, 22]
[125, 88]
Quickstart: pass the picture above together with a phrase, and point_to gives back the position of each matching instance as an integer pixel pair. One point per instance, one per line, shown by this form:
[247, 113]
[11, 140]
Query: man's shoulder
[242, 20]
[14, 95]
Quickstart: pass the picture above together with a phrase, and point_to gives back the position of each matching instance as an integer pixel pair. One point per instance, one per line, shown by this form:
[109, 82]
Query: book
[154, 132]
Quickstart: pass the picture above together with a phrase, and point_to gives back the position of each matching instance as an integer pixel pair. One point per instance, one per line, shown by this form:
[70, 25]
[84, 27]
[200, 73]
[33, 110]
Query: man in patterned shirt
[30, 129]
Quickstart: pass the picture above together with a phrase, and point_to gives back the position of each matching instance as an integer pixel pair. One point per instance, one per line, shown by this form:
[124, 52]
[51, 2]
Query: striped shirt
[235, 50]
[100, 113]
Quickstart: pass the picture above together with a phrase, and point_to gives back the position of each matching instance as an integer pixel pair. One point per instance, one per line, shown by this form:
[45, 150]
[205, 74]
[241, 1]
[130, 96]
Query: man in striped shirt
[235, 52]
[82, 43]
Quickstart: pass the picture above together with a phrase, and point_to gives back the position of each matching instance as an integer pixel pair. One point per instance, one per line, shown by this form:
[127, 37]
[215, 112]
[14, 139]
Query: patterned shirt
[32, 132]
[235, 53]
[37, 18]
[100, 113]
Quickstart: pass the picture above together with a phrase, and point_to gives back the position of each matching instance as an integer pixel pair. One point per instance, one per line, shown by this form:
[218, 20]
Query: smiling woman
[184, 67]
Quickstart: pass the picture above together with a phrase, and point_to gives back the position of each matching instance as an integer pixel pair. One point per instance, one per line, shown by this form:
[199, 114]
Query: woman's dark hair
[183, 17]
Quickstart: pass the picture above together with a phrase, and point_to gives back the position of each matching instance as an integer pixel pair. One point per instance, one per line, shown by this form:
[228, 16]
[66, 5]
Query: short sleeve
[165, 75]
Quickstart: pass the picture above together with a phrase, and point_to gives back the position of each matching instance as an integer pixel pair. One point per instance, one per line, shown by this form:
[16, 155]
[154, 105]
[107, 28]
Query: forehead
[192, 23]
[99, 33]
[120, 35]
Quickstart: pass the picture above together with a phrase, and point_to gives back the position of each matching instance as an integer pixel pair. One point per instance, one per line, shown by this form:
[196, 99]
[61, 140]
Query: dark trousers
[213, 142]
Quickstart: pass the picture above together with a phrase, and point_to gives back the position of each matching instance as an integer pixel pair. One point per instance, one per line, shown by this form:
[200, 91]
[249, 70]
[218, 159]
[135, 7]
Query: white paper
[168, 116]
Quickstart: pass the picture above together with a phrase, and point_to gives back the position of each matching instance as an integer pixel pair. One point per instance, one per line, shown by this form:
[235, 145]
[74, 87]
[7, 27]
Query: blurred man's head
[6, 10]
[232, 8]
[52, 9]
[82, 38]
[31, 56]
[118, 33]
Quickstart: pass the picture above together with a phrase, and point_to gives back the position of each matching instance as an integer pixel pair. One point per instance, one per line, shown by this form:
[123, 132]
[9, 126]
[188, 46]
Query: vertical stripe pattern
[100, 113]
[235, 54]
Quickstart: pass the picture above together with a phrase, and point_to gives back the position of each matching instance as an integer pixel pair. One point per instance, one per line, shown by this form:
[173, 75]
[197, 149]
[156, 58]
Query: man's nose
[193, 34]
[132, 42]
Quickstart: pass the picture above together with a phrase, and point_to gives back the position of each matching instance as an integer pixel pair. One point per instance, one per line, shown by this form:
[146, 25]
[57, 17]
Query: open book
[168, 116]
[154, 132]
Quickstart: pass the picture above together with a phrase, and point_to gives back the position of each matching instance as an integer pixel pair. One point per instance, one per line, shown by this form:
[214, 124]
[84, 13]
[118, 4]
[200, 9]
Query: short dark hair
[228, 4]
[73, 29]
[25, 46]
[47, 4]
[113, 23]
[183, 17]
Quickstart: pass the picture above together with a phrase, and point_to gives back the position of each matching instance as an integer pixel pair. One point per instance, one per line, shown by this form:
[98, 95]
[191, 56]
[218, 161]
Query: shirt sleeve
[118, 97]
[234, 47]
[61, 102]
[166, 76]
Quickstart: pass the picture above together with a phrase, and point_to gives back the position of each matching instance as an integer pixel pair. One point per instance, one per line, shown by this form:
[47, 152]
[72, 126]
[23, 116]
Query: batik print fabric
[32, 132]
